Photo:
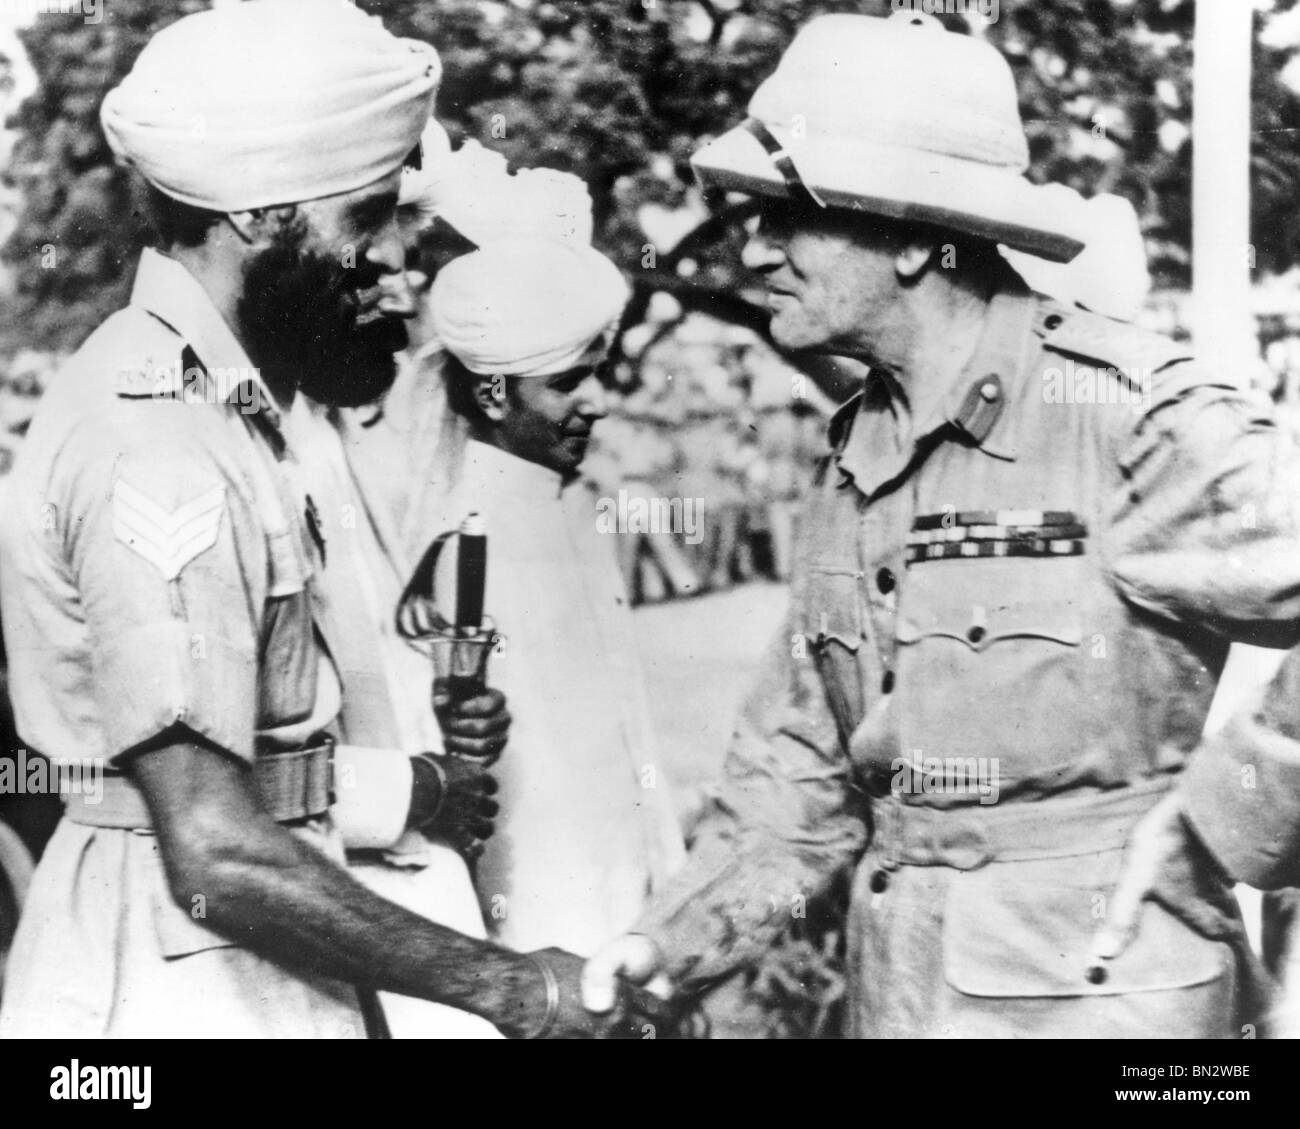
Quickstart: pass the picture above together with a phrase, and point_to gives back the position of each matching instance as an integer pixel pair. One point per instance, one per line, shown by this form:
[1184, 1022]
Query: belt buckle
[322, 745]
[968, 849]
[297, 783]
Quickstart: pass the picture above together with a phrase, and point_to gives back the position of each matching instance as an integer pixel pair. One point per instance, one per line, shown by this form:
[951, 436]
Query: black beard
[298, 315]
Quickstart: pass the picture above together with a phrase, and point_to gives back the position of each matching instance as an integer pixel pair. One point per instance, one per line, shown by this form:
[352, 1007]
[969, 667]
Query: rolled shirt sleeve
[784, 820]
[1205, 525]
[1207, 532]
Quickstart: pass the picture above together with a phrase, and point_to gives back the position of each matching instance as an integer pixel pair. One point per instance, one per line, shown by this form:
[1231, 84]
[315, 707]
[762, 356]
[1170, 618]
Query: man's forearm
[290, 903]
[735, 895]
[275, 893]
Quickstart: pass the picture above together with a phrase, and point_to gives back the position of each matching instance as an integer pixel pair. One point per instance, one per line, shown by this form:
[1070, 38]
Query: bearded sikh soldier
[1020, 572]
[160, 560]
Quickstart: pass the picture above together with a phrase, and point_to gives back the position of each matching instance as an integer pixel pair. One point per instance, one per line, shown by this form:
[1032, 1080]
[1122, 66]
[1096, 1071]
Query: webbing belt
[291, 785]
[967, 837]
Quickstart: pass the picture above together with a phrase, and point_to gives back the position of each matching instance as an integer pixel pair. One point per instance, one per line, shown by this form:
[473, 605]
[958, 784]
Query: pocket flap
[979, 602]
[833, 606]
[1024, 930]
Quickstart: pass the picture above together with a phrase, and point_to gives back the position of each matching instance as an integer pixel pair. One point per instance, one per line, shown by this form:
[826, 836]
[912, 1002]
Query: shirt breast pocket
[833, 629]
[987, 660]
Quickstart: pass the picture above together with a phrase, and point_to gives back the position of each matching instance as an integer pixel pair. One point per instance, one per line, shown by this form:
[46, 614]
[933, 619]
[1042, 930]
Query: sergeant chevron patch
[168, 540]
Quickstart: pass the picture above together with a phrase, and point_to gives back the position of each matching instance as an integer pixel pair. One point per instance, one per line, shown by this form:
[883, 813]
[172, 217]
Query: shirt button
[879, 882]
[1052, 321]
[887, 683]
[885, 581]
[989, 392]
[975, 633]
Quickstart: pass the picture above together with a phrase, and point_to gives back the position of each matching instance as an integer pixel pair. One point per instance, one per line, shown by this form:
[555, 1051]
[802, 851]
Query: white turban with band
[271, 102]
[526, 306]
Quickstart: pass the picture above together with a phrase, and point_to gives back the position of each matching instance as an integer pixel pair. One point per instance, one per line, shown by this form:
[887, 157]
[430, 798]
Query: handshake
[620, 993]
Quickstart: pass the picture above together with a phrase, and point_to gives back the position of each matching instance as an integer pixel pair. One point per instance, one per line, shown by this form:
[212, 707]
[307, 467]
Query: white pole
[1222, 259]
[1223, 327]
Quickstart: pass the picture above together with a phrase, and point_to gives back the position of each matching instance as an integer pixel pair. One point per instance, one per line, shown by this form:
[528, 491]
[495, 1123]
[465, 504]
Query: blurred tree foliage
[74, 249]
[620, 92]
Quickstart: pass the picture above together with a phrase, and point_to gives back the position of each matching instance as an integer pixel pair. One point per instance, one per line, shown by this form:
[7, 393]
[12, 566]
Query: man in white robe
[586, 826]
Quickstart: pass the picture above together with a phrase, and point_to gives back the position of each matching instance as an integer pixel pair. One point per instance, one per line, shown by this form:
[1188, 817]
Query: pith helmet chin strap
[794, 183]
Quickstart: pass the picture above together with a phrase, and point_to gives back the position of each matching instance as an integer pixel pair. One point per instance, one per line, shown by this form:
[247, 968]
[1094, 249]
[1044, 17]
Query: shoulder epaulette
[156, 370]
[1111, 343]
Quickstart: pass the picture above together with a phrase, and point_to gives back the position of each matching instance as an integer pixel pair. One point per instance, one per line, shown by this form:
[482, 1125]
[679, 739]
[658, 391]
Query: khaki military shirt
[157, 572]
[1033, 585]
[155, 560]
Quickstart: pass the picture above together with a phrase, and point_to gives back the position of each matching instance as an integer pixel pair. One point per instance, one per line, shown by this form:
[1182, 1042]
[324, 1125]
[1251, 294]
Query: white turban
[271, 102]
[472, 190]
[526, 307]
[414, 196]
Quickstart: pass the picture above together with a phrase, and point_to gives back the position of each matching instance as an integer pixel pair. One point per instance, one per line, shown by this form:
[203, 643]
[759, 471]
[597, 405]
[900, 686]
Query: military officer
[160, 560]
[1019, 576]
